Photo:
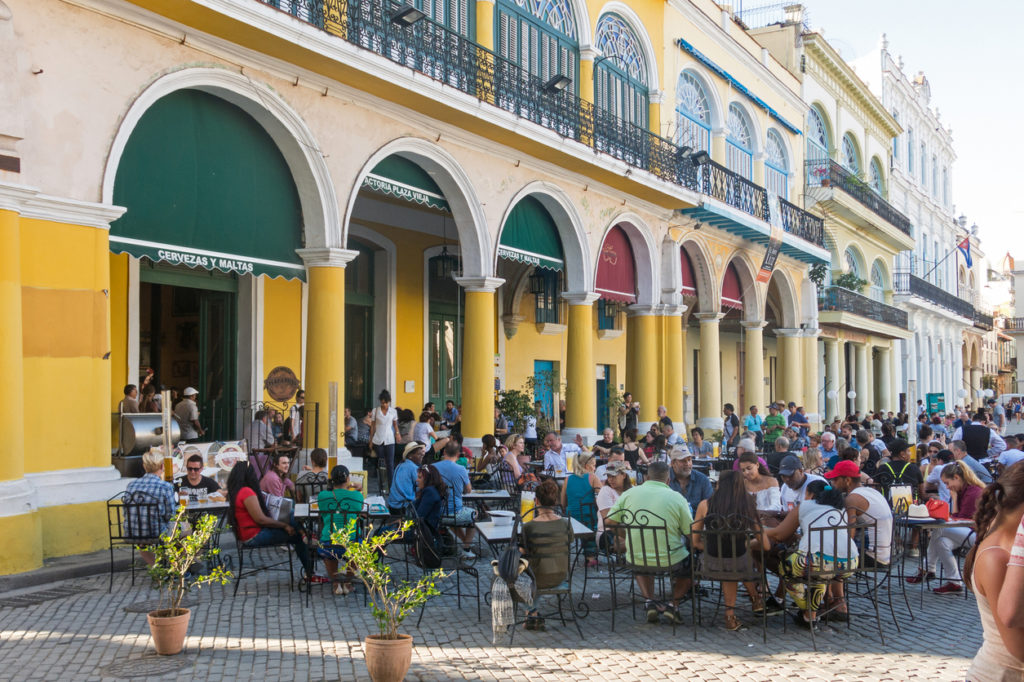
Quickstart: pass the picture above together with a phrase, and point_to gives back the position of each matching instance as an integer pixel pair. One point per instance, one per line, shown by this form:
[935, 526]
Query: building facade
[443, 203]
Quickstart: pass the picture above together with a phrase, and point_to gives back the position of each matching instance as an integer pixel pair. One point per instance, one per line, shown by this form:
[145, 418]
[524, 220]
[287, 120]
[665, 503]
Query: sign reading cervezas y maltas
[208, 262]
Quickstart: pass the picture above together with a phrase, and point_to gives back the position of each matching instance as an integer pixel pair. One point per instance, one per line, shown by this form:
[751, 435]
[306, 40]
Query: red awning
[616, 272]
[732, 296]
[689, 280]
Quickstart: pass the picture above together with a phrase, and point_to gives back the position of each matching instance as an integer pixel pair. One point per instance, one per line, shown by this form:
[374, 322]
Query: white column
[884, 379]
[833, 380]
[863, 371]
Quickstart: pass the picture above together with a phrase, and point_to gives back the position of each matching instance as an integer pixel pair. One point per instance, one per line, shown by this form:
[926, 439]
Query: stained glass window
[694, 113]
[851, 160]
[877, 282]
[739, 142]
[875, 179]
[776, 167]
[620, 78]
[817, 147]
[555, 13]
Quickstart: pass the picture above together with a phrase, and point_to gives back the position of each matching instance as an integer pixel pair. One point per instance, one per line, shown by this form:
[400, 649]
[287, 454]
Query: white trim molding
[17, 497]
[480, 284]
[326, 257]
[76, 486]
[29, 203]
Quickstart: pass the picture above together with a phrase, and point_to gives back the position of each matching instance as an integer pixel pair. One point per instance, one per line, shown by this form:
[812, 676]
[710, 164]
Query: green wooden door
[445, 382]
[217, 334]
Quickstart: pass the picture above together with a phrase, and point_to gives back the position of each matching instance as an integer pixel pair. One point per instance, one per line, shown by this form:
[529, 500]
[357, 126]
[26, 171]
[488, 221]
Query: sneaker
[771, 607]
[319, 579]
[468, 555]
[801, 621]
[592, 563]
[652, 612]
[913, 552]
[672, 616]
[915, 579]
[949, 588]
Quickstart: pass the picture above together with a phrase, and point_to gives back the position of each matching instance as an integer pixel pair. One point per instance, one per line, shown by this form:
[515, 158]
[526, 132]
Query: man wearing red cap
[861, 500]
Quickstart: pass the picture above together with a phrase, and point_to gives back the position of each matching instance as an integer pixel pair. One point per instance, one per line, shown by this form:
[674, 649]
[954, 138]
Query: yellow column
[758, 175]
[753, 366]
[587, 78]
[581, 402]
[811, 388]
[673, 363]
[718, 145]
[790, 374]
[684, 366]
[485, 24]
[478, 356]
[644, 382]
[654, 110]
[710, 388]
[325, 334]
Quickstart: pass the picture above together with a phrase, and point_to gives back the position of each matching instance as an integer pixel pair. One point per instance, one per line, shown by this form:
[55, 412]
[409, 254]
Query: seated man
[667, 550]
[313, 475]
[780, 451]
[693, 485]
[259, 433]
[615, 454]
[194, 483]
[403, 487]
[276, 481]
[456, 478]
[556, 454]
[150, 489]
[603, 447]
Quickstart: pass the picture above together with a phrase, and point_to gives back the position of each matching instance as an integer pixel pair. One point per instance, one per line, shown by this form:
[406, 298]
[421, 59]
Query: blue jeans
[270, 537]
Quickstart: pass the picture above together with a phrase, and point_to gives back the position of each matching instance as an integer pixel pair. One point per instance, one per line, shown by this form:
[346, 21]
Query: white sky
[971, 54]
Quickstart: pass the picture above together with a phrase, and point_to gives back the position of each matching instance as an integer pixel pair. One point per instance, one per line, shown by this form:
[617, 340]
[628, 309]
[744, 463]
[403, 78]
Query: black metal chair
[241, 548]
[134, 519]
[308, 487]
[873, 576]
[727, 557]
[446, 554]
[648, 551]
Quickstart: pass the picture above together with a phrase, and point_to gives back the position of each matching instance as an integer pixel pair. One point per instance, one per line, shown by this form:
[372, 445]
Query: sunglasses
[195, 468]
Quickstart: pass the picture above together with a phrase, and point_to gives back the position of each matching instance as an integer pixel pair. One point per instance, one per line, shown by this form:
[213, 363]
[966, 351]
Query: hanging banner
[771, 255]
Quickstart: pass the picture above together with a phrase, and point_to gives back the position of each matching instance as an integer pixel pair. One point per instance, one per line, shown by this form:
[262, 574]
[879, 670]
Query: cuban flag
[965, 249]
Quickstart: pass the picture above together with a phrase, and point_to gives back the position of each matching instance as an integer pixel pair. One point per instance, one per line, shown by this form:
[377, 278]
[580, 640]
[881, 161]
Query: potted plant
[389, 652]
[178, 551]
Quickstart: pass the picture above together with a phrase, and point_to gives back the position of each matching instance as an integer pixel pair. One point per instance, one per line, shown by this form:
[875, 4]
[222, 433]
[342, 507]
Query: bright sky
[970, 53]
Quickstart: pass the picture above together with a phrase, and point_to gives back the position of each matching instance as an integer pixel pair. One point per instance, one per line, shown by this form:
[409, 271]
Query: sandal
[732, 623]
[756, 604]
[338, 590]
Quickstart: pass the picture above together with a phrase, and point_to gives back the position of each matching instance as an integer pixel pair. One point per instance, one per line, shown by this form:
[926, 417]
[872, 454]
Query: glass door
[217, 363]
[445, 333]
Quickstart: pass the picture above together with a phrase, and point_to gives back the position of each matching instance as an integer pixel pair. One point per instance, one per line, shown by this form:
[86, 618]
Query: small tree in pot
[388, 653]
[177, 551]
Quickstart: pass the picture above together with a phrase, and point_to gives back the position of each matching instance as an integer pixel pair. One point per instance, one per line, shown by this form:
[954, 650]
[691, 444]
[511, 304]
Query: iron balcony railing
[450, 58]
[801, 223]
[825, 172]
[908, 284]
[1014, 324]
[983, 321]
[844, 300]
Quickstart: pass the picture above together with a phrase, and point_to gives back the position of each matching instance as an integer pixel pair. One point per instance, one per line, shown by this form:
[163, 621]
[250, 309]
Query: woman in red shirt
[965, 492]
[252, 524]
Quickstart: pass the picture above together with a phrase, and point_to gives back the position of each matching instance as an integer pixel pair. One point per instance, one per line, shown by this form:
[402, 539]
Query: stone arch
[709, 291]
[633, 19]
[467, 211]
[286, 128]
[579, 270]
[753, 298]
[782, 287]
[647, 266]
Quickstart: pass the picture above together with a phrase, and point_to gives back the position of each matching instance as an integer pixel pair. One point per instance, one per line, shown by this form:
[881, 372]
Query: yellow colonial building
[439, 199]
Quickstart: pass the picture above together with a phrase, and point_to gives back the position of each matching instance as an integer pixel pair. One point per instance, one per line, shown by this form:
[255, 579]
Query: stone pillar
[833, 379]
[966, 401]
[976, 400]
[872, 368]
[684, 365]
[643, 330]
[718, 145]
[790, 367]
[885, 379]
[710, 417]
[753, 366]
[673, 363]
[478, 347]
[325, 333]
[654, 109]
[810, 370]
[580, 405]
[861, 377]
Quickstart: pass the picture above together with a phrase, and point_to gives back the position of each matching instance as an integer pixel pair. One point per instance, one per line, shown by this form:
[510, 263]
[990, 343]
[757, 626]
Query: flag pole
[940, 262]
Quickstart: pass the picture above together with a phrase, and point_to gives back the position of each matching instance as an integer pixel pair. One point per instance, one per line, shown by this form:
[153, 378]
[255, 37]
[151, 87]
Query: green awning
[530, 236]
[206, 186]
[401, 178]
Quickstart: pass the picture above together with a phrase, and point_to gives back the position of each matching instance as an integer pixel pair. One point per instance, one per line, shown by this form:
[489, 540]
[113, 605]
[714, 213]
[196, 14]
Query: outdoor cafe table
[498, 536]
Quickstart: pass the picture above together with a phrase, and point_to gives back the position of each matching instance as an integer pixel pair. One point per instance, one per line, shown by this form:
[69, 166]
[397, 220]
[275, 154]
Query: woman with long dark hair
[430, 495]
[251, 521]
[384, 432]
[731, 513]
[759, 482]
[338, 506]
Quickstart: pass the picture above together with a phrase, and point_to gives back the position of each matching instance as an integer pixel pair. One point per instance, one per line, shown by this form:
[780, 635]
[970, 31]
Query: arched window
[875, 178]
[910, 150]
[693, 114]
[620, 79]
[877, 291]
[739, 144]
[455, 14]
[776, 166]
[852, 263]
[935, 176]
[851, 159]
[540, 37]
[924, 164]
[817, 147]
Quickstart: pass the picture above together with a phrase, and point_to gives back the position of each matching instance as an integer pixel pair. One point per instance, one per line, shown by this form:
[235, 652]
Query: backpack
[429, 546]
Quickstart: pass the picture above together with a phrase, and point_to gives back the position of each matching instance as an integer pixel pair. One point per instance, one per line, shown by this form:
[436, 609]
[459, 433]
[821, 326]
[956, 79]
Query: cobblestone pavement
[82, 632]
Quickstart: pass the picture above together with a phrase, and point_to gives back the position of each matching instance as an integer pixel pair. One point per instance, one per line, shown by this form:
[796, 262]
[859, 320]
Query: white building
[933, 282]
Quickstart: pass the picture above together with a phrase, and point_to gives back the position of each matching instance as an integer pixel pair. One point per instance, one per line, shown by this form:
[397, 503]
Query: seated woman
[698, 446]
[249, 518]
[430, 495]
[759, 482]
[338, 506]
[489, 458]
[830, 552]
[728, 516]
[635, 454]
[547, 540]
[579, 499]
[616, 483]
[965, 490]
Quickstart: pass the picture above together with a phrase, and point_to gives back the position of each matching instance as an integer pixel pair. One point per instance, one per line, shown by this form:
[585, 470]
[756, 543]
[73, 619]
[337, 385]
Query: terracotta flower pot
[388, 660]
[168, 631]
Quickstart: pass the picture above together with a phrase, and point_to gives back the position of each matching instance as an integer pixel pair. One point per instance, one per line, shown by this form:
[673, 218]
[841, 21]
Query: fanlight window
[694, 113]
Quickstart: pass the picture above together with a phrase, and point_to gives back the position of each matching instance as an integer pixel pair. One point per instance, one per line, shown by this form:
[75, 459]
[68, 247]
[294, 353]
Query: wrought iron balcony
[801, 223]
[822, 173]
[983, 321]
[1014, 324]
[846, 301]
[735, 190]
[912, 285]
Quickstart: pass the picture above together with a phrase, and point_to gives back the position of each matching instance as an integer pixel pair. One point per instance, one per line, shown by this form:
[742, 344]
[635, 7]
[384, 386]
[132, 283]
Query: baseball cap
[679, 452]
[190, 391]
[411, 448]
[845, 468]
[789, 464]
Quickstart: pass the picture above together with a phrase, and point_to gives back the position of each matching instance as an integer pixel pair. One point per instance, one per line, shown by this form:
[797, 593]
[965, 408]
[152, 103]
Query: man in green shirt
[654, 503]
[774, 424]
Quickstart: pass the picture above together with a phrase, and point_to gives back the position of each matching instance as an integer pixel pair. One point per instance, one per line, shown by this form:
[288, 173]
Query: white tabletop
[492, 533]
[487, 495]
[196, 506]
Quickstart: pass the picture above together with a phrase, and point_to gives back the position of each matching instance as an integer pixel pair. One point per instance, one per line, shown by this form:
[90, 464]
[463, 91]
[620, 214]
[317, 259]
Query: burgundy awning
[689, 280]
[732, 296]
[616, 272]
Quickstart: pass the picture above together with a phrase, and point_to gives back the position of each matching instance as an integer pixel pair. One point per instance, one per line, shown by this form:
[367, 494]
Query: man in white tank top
[861, 500]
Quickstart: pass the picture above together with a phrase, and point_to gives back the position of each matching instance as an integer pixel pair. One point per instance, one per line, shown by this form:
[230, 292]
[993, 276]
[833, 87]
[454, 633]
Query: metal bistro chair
[585, 513]
[872, 576]
[446, 555]
[134, 520]
[547, 550]
[336, 515]
[241, 548]
[308, 489]
[728, 557]
[647, 552]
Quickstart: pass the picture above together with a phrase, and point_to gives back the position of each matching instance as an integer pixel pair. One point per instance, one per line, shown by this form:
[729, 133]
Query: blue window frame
[875, 177]
[608, 314]
[739, 144]
[540, 37]
[851, 157]
[817, 147]
[776, 166]
[620, 79]
[693, 113]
